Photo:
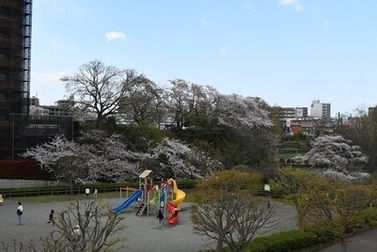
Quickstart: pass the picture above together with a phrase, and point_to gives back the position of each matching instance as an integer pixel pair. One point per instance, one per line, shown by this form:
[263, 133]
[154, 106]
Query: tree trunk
[219, 245]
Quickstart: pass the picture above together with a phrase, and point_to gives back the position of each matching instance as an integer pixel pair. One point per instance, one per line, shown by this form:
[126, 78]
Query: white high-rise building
[320, 110]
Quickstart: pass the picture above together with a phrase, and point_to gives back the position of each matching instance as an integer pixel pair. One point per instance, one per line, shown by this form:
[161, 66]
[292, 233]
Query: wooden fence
[27, 192]
[78, 189]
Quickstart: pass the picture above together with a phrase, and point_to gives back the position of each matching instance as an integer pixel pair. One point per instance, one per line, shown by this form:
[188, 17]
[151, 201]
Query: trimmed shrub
[284, 241]
[367, 218]
[323, 230]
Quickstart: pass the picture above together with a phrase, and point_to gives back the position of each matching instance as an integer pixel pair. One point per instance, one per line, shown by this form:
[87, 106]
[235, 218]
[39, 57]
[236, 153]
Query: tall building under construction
[15, 46]
[18, 130]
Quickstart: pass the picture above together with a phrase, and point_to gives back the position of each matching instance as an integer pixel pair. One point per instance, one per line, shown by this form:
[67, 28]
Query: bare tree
[17, 246]
[97, 88]
[178, 100]
[229, 211]
[85, 227]
[190, 103]
[142, 101]
[362, 130]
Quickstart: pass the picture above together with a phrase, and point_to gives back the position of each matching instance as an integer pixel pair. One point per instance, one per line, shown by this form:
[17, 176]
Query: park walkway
[144, 234]
[141, 233]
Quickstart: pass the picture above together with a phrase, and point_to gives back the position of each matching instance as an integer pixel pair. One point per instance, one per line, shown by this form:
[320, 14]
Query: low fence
[77, 189]
[61, 190]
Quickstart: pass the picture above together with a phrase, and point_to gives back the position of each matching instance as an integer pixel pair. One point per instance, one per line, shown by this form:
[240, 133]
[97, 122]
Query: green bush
[323, 230]
[283, 241]
[255, 247]
[367, 218]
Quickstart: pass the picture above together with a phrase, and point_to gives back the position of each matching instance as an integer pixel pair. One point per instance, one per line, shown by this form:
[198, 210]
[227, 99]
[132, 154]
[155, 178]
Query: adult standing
[87, 192]
[20, 211]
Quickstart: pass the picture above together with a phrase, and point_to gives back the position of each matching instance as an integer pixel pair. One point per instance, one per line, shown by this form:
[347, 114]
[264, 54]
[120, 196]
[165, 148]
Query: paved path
[142, 233]
[363, 242]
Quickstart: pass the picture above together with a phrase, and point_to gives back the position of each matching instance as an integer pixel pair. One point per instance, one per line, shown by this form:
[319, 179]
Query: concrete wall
[14, 183]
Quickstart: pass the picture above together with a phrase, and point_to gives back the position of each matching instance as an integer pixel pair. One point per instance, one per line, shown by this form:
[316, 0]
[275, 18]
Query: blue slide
[135, 195]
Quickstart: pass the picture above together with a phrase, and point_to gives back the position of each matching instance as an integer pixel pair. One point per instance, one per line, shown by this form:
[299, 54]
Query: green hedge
[366, 219]
[282, 242]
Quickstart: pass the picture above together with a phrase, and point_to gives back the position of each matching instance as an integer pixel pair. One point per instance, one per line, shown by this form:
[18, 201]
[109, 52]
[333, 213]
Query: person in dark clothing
[20, 211]
[51, 217]
[160, 217]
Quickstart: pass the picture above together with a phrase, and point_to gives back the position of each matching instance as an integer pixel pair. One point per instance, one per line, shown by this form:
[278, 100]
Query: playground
[140, 207]
[150, 198]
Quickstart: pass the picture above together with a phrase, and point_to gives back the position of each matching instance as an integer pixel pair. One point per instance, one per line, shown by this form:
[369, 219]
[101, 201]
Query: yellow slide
[179, 194]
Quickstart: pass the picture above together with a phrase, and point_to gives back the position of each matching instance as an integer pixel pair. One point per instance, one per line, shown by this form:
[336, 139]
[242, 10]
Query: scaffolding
[18, 129]
[32, 130]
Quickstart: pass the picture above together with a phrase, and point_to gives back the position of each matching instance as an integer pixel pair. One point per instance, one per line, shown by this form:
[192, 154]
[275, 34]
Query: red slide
[174, 213]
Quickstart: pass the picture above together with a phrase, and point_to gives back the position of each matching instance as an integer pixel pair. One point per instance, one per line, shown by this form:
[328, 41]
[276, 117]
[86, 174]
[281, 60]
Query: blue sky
[288, 52]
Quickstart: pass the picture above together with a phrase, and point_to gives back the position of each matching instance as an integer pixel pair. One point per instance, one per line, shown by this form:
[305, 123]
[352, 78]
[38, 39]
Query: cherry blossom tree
[178, 160]
[236, 126]
[99, 156]
[105, 161]
[48, 153]
[240, 112]
[335, 153]
[112, 160]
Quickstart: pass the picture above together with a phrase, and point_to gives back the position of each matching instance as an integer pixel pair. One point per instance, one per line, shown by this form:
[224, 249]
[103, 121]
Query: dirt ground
[141, 233]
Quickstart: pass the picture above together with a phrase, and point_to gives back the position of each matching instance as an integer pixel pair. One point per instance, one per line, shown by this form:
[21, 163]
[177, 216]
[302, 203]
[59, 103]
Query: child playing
[51, 217]
[160, 217]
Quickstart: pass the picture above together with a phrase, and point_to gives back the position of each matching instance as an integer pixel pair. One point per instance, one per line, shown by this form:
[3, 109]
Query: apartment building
[320, 110]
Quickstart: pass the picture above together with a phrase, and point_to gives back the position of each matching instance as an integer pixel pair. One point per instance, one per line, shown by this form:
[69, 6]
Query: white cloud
[223, 50]
[205, 23]
[288, 2]
[326, 23]
[295, 4]
[298, 7]
[114, 35]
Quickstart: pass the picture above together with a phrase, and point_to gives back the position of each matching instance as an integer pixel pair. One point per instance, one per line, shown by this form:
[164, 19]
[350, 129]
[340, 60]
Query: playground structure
[173, 205]
[166, 197]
